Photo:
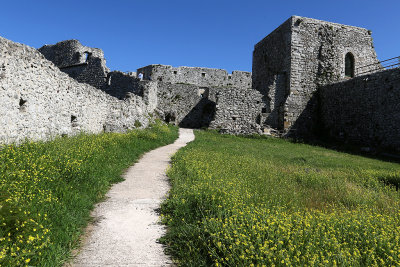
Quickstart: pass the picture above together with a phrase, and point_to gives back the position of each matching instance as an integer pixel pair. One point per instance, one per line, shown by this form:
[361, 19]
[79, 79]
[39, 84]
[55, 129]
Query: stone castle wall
[271, 72]
[186, 105]
[196, 75]
[40, 102]
[364, 110]
[238, 111]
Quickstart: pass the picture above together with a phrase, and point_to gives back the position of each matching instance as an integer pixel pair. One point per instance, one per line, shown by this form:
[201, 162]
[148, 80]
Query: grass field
[47, 190]
[263, 201]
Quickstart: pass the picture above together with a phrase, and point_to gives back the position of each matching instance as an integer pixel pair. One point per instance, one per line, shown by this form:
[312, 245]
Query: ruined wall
[119, 84]
[186, 105]
[196, 75]
[83, 63]
[238, 111]
[364, 111]
[271, 72]
[318, 50]
[39, 101]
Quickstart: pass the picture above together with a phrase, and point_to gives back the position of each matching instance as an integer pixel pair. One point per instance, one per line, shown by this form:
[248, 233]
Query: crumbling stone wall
[84, 64]
[316, 56]
[186, 105]
[39, 101]
[119, 84]
[364, 111]
[205, 77]
[238, 111]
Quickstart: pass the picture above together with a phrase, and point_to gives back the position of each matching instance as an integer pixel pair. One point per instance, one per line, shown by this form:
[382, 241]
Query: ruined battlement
[82, 63]
[196, 75]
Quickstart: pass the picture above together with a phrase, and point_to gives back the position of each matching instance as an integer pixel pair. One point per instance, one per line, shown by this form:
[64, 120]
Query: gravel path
[125, 228]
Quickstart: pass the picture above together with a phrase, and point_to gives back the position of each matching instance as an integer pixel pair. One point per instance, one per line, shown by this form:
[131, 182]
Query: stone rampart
[40, 102]
[205, 77]
[238, 111]
[364, 110]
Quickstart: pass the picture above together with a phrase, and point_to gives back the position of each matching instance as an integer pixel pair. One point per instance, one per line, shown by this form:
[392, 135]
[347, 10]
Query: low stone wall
[39, 101]
[364, 110]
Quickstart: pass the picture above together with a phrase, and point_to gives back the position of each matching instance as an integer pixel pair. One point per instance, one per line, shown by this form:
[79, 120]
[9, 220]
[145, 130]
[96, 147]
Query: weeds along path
[125, 228]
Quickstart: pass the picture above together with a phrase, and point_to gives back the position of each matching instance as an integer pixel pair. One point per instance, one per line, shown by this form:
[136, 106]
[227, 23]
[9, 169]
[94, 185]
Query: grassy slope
[48, 189]
[241, 201]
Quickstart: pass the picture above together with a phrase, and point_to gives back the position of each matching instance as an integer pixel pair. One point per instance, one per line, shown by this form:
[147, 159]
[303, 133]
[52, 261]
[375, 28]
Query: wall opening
[74, 121]
[349, 65]
[108, 79]
[22, 104]
[175, 72]
[203, 74]
[169, 118]
[86, 56]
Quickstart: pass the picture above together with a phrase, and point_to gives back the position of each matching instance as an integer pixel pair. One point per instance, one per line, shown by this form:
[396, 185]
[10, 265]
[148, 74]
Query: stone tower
[298, 57]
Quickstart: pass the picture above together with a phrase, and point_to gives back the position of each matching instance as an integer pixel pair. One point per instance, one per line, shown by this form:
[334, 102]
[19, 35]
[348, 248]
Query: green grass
[263, 201]
[47, 190]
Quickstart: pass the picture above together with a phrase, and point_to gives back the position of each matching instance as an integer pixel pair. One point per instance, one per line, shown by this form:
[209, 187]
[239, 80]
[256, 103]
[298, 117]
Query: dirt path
[126, 225]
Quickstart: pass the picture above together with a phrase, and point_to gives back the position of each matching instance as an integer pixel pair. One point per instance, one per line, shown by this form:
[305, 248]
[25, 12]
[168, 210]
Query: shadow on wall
[308, 125]
[200, 116]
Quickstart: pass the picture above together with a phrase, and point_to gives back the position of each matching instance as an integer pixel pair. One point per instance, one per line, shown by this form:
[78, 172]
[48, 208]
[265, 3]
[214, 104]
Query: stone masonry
[40, 102]
[195, 75]
[301, 55]
[364, 111]
[84, 64]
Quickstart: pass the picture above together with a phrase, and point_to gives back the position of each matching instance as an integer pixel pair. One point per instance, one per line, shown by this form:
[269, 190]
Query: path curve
[126, 228]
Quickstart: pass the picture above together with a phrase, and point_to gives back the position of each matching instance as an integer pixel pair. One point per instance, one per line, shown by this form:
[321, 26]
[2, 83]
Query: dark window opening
[229, 77]
[203, 74]
[264, 110]
[22, 104]
[73, 118]
[298, 22]
[77, 57]
[349, 65]
[169, 118]
[160, 79]
[175, 72]
[234, 118]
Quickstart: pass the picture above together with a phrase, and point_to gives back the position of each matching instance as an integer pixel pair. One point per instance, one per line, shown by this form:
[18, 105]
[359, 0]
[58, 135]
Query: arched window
[349, 65]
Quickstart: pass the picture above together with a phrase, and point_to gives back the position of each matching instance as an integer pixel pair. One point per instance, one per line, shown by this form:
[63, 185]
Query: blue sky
[215, 34]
